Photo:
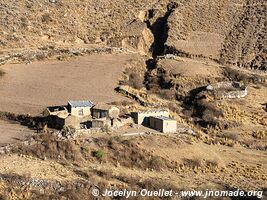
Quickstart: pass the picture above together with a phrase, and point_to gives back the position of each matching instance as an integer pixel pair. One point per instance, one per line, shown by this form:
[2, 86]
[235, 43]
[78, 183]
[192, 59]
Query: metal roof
[81, 103]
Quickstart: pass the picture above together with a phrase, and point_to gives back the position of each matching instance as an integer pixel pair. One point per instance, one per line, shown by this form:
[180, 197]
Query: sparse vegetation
[169, 53]
[105, 128]
[212, 163]
[98, 153]
[193, 163]
[259, 134]
[46, 18]
[231, 136]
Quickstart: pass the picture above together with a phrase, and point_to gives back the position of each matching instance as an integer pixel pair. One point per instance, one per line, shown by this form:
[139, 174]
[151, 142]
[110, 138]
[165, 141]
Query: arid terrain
[31, 88]
[136, 55]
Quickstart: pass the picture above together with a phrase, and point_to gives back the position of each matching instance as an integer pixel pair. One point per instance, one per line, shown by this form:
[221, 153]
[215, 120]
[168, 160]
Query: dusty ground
[12, 132]
[201, 43]
[192, 68]
[34, 167]
[234, 164]
[30, 88]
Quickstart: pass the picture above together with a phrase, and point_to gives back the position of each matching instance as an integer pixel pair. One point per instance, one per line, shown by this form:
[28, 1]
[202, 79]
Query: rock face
[232, 32]
[137, 37]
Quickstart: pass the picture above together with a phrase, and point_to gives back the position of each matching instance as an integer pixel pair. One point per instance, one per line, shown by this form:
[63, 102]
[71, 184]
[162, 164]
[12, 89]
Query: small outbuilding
[55, 111]
[142, 117]
[102, 110]
[163, 124]
[70, 121]
[80, 108]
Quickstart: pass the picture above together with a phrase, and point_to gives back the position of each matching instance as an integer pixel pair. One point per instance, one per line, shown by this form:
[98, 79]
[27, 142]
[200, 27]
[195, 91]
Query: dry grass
[193, 163]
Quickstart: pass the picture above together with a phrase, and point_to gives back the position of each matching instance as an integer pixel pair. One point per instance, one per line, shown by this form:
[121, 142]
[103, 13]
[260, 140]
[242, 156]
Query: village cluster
[87, 115]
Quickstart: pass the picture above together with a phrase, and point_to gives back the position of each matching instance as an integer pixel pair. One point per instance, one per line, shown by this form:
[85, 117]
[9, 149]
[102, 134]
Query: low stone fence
[228, 90]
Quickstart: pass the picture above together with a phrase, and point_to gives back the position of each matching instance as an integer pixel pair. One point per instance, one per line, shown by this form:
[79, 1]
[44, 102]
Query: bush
[136, 81]
[231, 136]
[133, 78]
[259, 134]
[209, 111]
[98, 153]
[212, 163]
[193, 163]
[105, 129]
[167, 94]
[46, 18]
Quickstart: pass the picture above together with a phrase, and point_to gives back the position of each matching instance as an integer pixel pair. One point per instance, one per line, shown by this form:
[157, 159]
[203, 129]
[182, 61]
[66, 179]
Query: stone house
[55, 111]
[80, 108]
[163, 124]
[69, 121]
[142, 117]
[101, 110]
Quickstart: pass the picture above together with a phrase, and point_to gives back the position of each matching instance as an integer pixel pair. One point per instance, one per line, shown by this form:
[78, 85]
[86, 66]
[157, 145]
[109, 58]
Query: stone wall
[228, 90]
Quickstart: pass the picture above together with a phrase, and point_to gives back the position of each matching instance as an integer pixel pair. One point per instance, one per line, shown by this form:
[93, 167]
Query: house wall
[111, 113]
[164, 126]
[143, 117]
[156, 124]
[100, 123]
[72, 121]
[114, 112]
[69, 121]
[99, 113]
[169, 126]
[97, 124]
[75, 111]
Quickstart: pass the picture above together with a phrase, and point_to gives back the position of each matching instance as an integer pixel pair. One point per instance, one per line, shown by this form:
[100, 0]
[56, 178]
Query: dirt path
[30, 88]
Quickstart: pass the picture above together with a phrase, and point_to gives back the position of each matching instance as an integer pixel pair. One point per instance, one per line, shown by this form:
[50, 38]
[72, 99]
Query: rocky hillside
[230, 31]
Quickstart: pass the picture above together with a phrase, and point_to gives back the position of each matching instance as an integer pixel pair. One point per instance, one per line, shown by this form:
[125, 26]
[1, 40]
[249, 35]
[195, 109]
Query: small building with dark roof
[142, 117]
[102, 110]
[163, 124]
[55, 111]
[80, 108]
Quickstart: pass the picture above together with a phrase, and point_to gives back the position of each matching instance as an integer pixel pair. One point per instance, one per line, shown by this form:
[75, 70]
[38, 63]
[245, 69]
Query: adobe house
[163, 124]
[142, 117]
[80, 108]
[55, 111]
[102, 110]
[70, 121]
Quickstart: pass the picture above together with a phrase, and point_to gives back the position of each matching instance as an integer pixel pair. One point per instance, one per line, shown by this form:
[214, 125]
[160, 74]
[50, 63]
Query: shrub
[46, 18]
[209, 112]
[157, 163]
[212, 163]
[98, 153]
[231, 136]
[136, 81]
[193, 163]
[167, 94]
[133, 78]
[105, 129]
[259, 134]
